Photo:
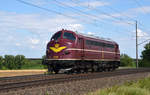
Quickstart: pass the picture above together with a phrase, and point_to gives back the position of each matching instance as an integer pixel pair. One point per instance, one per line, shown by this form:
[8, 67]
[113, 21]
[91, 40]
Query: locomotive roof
[91, 36]
[95, 37]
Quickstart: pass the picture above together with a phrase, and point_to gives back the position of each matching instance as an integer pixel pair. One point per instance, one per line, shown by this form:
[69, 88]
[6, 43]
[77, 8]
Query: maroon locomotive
[81, 53]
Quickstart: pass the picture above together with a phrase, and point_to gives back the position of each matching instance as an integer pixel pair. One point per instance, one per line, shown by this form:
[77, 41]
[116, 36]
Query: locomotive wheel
[85, 70]
[99, 69]
[105, 69]
[112, 68]
[56, 71]
[50, 69]
[94, 68]
[78, 71]
[109, 69]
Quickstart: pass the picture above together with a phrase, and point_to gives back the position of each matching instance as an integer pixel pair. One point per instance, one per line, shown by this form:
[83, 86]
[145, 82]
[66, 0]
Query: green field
[33, 64]
[141, 87]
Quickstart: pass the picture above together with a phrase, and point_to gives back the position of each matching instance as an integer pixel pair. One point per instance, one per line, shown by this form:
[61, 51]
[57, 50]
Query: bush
[145, 62]
[19, 61]
[127, 61]
[1, 62]
[9, 62]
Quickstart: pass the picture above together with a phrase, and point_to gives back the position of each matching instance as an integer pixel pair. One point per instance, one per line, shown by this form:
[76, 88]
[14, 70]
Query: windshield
[56, 36]
[69, 36]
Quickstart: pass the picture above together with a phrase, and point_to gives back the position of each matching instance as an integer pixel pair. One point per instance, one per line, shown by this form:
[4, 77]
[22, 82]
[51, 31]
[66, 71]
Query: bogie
[85, 67]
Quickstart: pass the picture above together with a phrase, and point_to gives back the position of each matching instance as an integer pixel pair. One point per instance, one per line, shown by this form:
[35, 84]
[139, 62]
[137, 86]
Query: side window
[109, 45]
[69, 36]
[88, 42]
[79, 40]
[94, 43]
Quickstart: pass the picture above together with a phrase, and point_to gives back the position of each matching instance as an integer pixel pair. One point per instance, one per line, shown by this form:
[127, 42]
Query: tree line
[12, 62]
[19, 62]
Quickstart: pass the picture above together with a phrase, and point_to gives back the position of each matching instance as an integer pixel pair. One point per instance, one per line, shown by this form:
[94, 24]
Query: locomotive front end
[57, 54]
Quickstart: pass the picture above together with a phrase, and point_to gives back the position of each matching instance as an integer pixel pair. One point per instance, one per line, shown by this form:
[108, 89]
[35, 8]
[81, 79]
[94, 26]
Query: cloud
[74, 26]
[90, 33]
[34, 41]
[141, 35]
[126, 17]
[38, 2]
[133, 12]
[90, 4]
[29, 32]
[18, 44]
[143, 10]
[34, 22]
[94, 4]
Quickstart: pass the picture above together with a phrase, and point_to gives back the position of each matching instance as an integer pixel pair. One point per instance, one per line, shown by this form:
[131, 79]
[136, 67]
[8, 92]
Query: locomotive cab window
[69, 36]
[56, 36]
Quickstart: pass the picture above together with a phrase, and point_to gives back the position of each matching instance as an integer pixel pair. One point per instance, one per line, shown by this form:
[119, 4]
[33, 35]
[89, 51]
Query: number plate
[55, 57]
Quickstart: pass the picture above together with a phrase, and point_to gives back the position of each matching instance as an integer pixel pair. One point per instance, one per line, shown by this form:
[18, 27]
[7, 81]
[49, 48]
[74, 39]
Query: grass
[141, 87]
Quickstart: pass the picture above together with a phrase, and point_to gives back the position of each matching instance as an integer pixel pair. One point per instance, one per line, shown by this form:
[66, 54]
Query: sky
[27, 25]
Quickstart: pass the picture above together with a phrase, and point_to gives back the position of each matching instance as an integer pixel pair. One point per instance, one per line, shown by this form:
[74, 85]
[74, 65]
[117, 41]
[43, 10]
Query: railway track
[38, 80]
[26, 78]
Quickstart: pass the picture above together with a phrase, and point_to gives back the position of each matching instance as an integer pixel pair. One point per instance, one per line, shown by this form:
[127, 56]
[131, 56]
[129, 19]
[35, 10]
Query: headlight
[66, 52]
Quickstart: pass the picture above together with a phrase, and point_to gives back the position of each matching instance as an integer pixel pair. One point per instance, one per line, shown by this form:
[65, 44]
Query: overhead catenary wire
[102, 12]
[144, 30]
[144, 27]
[144, 41]
[52, 11]
[66, 5]
[140, 5]
[49, 10]
[117, 11]
[77, 10]
[98, 11]
[80, 11]
[112, 16]
[141, 24]
[105, 13]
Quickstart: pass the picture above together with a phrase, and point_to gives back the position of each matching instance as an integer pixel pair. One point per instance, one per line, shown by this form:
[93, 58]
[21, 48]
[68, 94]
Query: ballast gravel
[78, 87]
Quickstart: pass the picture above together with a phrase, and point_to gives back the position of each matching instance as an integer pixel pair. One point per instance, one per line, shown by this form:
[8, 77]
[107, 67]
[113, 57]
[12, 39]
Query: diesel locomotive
[78, 52]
